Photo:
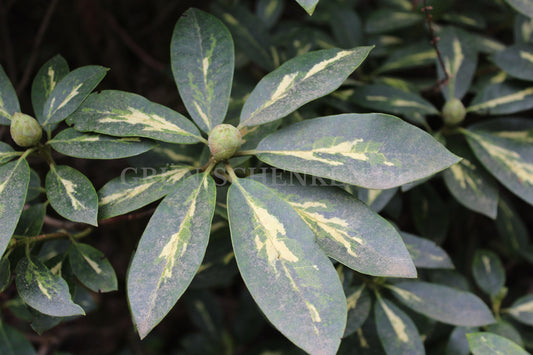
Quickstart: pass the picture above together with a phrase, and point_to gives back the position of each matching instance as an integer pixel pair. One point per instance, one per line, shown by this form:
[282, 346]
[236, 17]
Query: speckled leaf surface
[71, 194]
[425, 253]
[308, 5]
[45, 82]
[516, 60]
[484, 343]
[170, 251]
[12, 342]
[7, 153]
[9, 103]
[92, 268]
[376, 199]
[522, 310]
[123, 114]
[98, 146]
[289, 277]
[202, 59]
[374, 151]
[488, 271]
[502, 98]
[31, 220]
[46, 292]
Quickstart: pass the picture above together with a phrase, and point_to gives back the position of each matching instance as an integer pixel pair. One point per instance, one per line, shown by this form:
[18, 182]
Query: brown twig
[434, 39]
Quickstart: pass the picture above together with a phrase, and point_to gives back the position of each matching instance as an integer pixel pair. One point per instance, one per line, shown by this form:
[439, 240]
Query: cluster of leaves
[300, 197]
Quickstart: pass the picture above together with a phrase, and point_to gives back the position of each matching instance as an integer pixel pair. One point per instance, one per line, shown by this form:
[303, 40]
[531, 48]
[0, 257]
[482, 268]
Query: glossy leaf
[416, 55]
[127, 193]
[504, 147]
[291, 280]
[488, 271]
[71, 194]
[31, 220]
[488, 343]
[98, 146]
[14, 177]
[124, 114]
[425, 253]
[442, 302]
[388, 20]
[7, 153]
[12, 342]
[517, 61]
[359, 304]
[397, 332]
[522, 310]
[502, 98]
[9, 103]
[299, 81]
[92, 268]
[170, 251]
[357, 149]
[523, 6]
[46, 292]
[202, 62]
[70, 92]
[45, 82]
[308, 5]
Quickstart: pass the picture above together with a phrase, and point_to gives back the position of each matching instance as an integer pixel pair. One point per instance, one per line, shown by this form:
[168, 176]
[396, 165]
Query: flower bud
[25, 130]
[453, 112]
[224, 140]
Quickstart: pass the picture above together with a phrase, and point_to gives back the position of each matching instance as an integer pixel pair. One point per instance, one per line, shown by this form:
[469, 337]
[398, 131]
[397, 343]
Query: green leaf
[469, 19]
[170, 251]
[388, 20]
[458, 343]
[34, 187]
[308, 5]
[425, 253]
[376, 199]
[346, 26]
[413, 56]
[299, 81]
[31, 221]
[70, 92]
[202, 62]
[97, 146]
[443, 303]
[483, 343]
[488, 272]
[359, 303]
[523, 6]
[45, 81]
[522, 310]
[9, 103]
[7, 153]
[12, 342]
[5, 274]
[290, 278]
[511, 227]
[269, 11]
[71, 194]
[92, 268]
[345, 228]
[123, 114]
[504, 147]
[502, 98]
[357, 149]
[129, 192]
[46, 292]
[523, 29]
[516, 60]
[506, 330]
[14, 177]
[397, 332]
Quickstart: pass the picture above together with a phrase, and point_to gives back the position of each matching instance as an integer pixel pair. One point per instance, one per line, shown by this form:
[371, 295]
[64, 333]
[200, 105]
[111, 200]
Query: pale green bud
[25, 130]
[224, 140]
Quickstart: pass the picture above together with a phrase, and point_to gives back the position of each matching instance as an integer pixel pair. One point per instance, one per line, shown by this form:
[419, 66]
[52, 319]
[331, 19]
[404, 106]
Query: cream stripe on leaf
[203, 61]
[502, 98]
[70, 92]
[170, 251]
[92, 268]
[412, 56]
[359, 304]
[9, 103]
[299, 81]
[124, 114]
[425, 253]
[289, 277]
[509, 159]
[71, 194]
[488, 272]
[522, 310]
[374, 151]
[516, 60]
[45, 81]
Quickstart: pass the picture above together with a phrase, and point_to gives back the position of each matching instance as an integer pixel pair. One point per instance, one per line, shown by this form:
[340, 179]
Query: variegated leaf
[510, 226]
[269, 11]
[31, 220]
[466, 18]
[14, 179]
[502, 98]
[92, 268]
[522, 310]
[7, 153]
[441, 303]
[202, 62]
[358, 303]
[308, 5]
[506, 330]
[98, 146]
[70, 92]
[376, 199]
[299, 81]
[484, 343]
[397, 332]
[523, 6]
[137, 187]
[170, 251]
[9, 103]
[357, 149]
[504, 147]
[523, 29]
[416, 55]
[45, 82]
[517, 61]
[389, 20]
[488, 271]
[43, 290]
[123, 114]
[71, 194]
[425, 253]
[290, 278]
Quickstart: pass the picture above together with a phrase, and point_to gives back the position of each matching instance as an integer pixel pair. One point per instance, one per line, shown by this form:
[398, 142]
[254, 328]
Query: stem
[434, 39]
[50, 236]
[231, 173]
[246, 152]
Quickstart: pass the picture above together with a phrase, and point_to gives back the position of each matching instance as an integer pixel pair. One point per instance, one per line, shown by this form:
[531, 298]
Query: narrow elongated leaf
[397, 332]
[358, 149]
[502, 98]
[269, 11]
[14, 178]
[12, 342]
[416, 55]
[44, 291]
[504, 147]
[9, 103]
[71, 194]
[523, 6]
[523, 29]
[376, 199]
[425, 253]
[388, 20]
[124, 114]
[31, 220]
[202, 62]
[5, 273]
[345, 228]
[45, 82]
[7, 153]
[516, 60]
[522, 310]
[442, 302]
[488, 271]
[98, 146]
[299, 81]
[127, 193]
[487, 343]
[511, 228]
[170, 251]
[346, 26]
[291, 280]
[359, 303]
[92, 268]
[70, 92]
[308, 5]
